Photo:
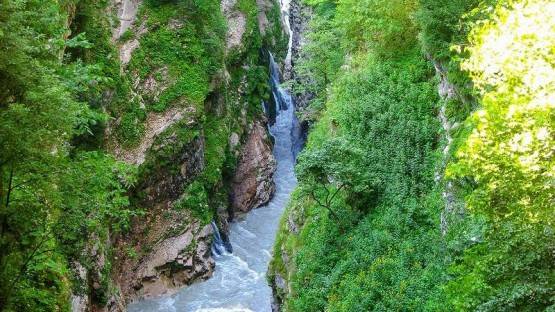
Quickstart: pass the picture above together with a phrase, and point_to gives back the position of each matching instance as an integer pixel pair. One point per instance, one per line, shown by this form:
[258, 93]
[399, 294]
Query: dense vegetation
[46, 185]
[67, 102]
[371, 225]
[362, 232]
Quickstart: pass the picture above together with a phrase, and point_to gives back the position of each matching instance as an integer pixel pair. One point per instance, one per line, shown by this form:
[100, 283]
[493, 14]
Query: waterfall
[219, 245]
[285, 9]
[280, 96]
[284, 102]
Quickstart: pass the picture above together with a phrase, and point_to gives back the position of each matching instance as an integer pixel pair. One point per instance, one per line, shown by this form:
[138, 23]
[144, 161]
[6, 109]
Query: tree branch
[4, 214]
[10, 187]
[327, 205]
[315, 198]
[336, 192]
[24, 266]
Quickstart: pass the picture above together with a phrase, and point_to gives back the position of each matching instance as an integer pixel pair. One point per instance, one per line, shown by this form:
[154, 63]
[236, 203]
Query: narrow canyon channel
[239, 281]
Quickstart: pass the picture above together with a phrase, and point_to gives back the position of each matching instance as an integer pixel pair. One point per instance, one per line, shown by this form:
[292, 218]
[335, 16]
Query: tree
[509, 155]
[45, 185]
[330, 169]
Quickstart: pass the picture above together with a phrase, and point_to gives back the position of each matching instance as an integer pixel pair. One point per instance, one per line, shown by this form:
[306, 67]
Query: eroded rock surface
[252, 184]
[127, 14]
[155, 124]
[174, 262]
[447, 91]
[236, 23]
[168, 247]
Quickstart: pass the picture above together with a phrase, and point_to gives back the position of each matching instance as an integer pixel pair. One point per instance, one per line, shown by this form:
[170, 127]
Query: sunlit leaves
[510, 153]
[510, 156]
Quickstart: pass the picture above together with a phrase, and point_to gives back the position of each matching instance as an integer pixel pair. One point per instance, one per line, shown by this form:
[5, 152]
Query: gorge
[277, 155]
[239, 280]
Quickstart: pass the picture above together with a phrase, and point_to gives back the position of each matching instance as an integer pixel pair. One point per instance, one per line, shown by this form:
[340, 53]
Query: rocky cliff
[186, 112]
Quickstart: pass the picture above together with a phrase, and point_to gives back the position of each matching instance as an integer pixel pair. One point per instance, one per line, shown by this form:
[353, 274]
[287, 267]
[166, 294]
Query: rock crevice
[447, 92]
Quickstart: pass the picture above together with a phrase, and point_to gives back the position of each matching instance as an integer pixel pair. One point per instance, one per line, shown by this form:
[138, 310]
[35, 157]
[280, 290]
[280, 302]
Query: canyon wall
[191, 122]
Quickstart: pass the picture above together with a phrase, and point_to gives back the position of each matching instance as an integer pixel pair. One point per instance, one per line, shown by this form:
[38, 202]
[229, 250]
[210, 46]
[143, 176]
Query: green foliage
[93, 187]
[167, 148]
[104, 87]
[380, 249]
[318, 63]
[217, 133]
[387, 27]
[195, 199]
[37, 114]
[61, 84]
[508, 155]
[324, 177]
[126, 36]
[275, 39]
[249, 60]
[185, 41]
[131, 127]
[353, 28]
[52, 195]
[442, 25]
[444, 28]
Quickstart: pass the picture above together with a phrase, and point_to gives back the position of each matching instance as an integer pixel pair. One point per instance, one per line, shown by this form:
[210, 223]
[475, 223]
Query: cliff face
[186, 112]
[170, 246]
[298, 16]
[252, 184]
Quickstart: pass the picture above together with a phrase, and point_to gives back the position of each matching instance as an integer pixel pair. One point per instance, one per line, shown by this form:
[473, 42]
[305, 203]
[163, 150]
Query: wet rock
[280, 282]
[252, 185]
[175, 262]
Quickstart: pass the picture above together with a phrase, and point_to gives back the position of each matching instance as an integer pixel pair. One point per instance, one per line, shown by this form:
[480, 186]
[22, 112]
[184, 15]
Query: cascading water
[239, 281]
[219, 246]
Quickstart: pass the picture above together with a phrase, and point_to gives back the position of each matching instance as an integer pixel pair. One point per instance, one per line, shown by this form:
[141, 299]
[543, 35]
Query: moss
[216, 134]
[187, 41]
[195, 199]
[130, 129]
[126, 36]
[131, 253]
[166, 148]
[110, 92]
[248, 63]
[275, 38]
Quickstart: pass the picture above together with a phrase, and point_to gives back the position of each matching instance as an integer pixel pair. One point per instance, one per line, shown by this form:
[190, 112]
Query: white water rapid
[239, 281]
